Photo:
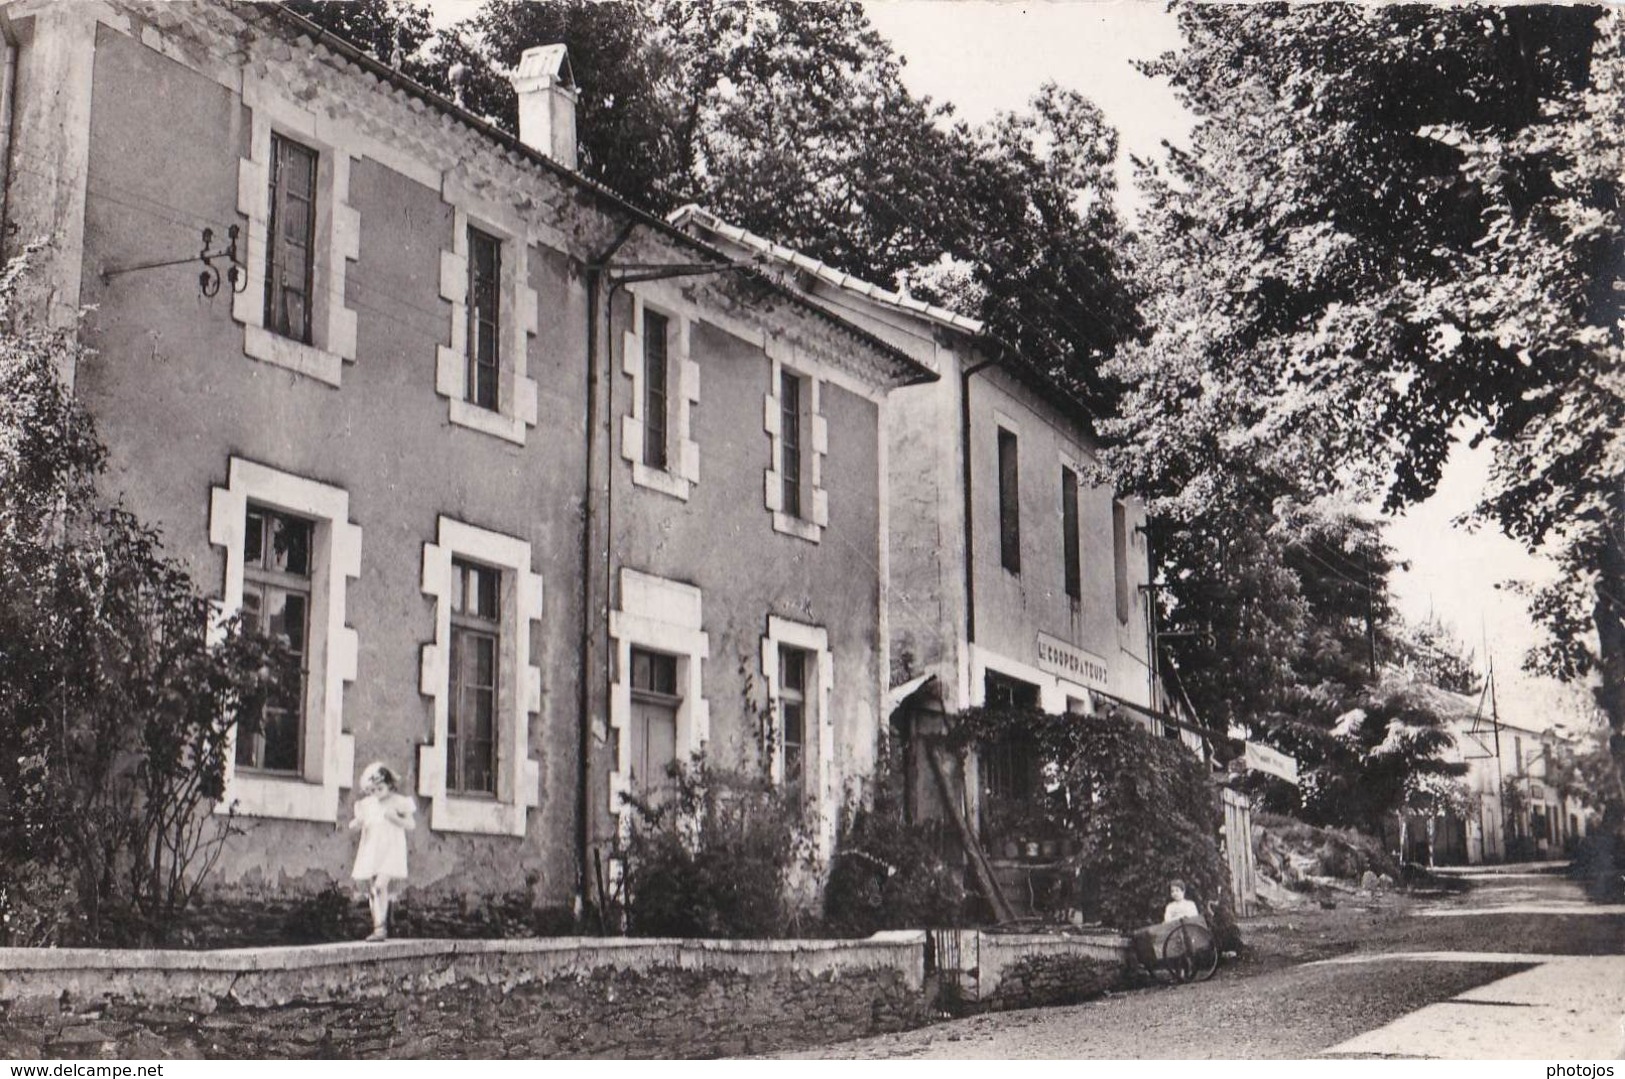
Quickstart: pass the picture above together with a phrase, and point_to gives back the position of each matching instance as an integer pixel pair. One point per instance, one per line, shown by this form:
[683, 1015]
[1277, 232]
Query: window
[655, 702]
[790, 442]
[290, 256]
[1120, 557]
[799, 675]
[793, 717]
[481, 366]
[290, 553]
[657, 707]
[1009, 503]
[477, 769]
[484, 319]
[655, 381]
[657, 426]
[276, 603]
[798, 441]
[293, 190]
[1073, 567]
[1009, 764]
[476, 635]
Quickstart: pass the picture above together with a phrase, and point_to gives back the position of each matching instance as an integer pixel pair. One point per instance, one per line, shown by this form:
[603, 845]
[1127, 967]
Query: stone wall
[532, 998]
[1027, 970]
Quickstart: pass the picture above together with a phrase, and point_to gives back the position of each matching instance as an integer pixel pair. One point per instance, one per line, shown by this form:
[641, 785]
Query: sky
[985, 57]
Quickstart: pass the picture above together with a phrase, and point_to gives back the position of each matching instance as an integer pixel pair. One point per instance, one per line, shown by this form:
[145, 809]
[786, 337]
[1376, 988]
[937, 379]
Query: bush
[116, 696]
[888, 873]
[710, 856]
[1141, 810]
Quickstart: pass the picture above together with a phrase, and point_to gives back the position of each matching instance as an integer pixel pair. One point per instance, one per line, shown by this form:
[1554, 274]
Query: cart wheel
[1177, 958]
[1190, 954]
[1204, 953]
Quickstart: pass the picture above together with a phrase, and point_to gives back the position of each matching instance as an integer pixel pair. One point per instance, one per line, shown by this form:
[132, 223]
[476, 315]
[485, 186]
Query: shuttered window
[291, 240]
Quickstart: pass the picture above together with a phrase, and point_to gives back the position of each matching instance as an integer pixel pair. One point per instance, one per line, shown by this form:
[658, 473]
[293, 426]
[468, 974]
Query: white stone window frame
[519, 689]
[515, 413]
[659, 615]
[328, 754]
[815, 447]
[337, 238]
[683, 394]
[813, 640]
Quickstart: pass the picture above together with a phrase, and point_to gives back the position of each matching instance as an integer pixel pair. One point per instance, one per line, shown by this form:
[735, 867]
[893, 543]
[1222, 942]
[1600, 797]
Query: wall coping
[351, 953]
[1105, 938]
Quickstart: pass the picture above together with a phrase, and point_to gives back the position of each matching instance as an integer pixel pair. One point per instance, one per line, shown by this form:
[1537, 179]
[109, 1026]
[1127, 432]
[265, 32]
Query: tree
[118, 689]
[1396, 225]
[792, 120]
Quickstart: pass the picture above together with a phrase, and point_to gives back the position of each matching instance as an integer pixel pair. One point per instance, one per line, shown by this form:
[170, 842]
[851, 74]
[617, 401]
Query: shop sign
[1073, 664]
[1271, 762]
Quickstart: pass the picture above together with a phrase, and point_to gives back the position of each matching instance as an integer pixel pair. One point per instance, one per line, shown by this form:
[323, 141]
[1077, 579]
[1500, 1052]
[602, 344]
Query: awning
[899, 694]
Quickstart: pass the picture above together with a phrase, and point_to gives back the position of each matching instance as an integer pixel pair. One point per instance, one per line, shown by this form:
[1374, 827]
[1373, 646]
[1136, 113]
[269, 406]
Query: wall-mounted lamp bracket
[208, 278]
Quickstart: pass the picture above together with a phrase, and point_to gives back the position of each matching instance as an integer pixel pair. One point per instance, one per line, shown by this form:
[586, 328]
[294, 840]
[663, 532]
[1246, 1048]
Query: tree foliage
[792, 120]
[115, 706]
[1396, 226]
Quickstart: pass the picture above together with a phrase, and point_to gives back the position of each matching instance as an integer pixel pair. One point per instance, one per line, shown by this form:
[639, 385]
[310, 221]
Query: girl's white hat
[379, 770]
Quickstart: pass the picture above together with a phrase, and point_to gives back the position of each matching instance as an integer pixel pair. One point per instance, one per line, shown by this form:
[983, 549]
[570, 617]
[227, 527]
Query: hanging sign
[1074, 664]
[1271, 762]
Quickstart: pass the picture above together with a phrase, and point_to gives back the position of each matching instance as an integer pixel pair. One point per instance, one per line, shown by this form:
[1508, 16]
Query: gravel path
[1277, 1003]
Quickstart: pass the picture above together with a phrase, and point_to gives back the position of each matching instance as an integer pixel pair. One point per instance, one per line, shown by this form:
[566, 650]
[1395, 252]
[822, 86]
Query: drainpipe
[964, 457]
[598, 272]
[8, 113]
[595, 272]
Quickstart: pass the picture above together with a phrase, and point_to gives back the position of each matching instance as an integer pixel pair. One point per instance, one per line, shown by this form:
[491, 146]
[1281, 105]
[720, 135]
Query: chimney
[547, 103]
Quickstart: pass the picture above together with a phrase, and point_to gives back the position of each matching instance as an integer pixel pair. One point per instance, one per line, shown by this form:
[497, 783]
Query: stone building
[1013, 579]
[544, 492]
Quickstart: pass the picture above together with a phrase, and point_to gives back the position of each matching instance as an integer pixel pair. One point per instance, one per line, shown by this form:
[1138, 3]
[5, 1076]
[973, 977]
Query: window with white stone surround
[326, 758]
[326, 329]
[805, 691]
[476, 221]
[656, 615]
[655, 356]
[517, 604]
[798, 438]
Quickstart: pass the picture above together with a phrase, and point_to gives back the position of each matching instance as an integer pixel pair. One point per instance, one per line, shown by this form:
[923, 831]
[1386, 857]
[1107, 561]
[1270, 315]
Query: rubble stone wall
[533, 998]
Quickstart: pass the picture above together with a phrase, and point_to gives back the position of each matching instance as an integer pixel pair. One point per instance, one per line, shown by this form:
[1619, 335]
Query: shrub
[710, 855]
[888, 873]
[117, 688]
[1141, 810]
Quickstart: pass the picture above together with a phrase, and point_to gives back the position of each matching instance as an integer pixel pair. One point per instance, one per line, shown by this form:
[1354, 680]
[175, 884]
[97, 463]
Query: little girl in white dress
[384, 816]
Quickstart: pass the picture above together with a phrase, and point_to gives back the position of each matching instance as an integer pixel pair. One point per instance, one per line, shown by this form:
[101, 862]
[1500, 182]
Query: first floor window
[790, 441]
[1072, 561]
[291, 240]
[655, 390]
[276, 604]
[1009, 503]
[484, 318]
[1120, 558]
[655, 702]
[793, 715]
[476, 634]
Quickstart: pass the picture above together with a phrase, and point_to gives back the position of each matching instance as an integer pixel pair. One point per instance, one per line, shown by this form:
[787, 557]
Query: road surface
[1518, 965]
